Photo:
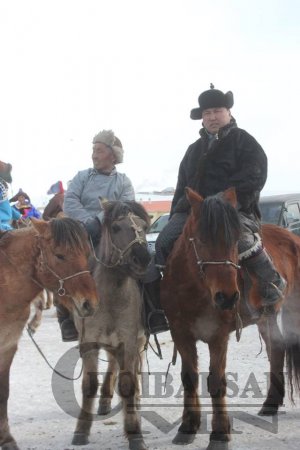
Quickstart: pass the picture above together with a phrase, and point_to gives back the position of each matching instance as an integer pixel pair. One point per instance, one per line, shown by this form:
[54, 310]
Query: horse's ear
[103, 202]
[230, 196]
[194, 198]
[41, 226]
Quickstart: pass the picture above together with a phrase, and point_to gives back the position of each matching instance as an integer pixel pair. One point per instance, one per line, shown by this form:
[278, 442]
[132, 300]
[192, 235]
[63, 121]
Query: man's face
[103, 157]
[215, 118]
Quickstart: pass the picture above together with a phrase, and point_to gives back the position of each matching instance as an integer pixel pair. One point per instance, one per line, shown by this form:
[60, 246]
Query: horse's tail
[291, 333]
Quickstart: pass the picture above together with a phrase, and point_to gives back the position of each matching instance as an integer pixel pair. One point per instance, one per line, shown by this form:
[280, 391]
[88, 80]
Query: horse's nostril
[87, 306]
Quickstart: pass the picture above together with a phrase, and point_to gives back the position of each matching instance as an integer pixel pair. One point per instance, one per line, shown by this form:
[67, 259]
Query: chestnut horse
[200, 294]
[52, 255]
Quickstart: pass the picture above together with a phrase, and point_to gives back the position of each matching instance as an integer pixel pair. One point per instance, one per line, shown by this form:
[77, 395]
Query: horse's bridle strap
[201, 263]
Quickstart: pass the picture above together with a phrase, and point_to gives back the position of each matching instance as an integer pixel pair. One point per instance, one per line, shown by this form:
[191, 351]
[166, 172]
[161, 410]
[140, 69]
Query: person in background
[54, 208]
[224, 156]
[81, 201]
[24, 206]
[7, 213]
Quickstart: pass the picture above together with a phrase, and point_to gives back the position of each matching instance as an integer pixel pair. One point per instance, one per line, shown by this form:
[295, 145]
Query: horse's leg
[38, 304]
[108, 386]
[127, 389]
[7, 441]
[89, 390]
[49, 299]
[216, 382]
[272, 336]
[190, 380]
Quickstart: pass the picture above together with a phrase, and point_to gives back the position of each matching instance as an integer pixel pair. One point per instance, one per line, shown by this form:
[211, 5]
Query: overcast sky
[70, 68]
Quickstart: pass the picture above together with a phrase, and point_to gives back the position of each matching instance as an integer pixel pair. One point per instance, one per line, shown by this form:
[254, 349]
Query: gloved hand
[93, 227]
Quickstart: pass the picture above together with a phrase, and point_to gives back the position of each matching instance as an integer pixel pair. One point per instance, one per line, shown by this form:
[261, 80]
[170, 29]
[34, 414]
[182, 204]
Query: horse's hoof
[268, 410]
[10, 446]
[183, 438]
[80, 439]
[103, 410]
[137, 444]
[218, 445]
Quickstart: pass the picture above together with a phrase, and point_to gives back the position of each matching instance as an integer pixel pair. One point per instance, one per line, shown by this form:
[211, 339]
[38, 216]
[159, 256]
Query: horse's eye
[59, 256]
[115, 227]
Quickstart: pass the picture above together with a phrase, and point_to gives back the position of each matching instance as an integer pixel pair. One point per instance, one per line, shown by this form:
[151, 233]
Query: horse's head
[62, 265]
[123, 242]
[216, 230]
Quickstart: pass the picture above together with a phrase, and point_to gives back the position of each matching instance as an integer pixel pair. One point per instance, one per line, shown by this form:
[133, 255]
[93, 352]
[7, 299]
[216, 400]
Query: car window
[159, 224]
[270, 212]
[292, 213]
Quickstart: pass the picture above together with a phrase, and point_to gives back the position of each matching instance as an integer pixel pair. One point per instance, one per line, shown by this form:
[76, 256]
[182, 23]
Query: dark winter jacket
[234, 159]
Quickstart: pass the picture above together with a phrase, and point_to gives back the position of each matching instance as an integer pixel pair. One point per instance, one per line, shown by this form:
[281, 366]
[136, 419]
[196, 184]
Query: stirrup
[157, 322]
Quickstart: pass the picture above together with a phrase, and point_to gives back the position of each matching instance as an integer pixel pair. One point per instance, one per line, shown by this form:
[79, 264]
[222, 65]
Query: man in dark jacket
[225, 156]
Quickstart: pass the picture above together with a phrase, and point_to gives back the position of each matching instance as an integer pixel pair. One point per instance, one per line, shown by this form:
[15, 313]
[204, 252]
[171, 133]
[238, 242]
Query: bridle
[201, 264]
[61, 290]
[139, 239]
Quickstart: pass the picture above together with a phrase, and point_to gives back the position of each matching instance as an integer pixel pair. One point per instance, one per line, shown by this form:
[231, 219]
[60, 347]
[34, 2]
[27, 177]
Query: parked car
[282, 210]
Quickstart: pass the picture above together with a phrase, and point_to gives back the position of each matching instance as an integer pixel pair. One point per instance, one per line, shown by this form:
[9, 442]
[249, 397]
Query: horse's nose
[141, 256]
[224, 301]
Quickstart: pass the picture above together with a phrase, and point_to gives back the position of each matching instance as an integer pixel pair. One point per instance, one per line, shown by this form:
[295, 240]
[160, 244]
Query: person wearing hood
[24, 205]
[54, 208]
[224, 156]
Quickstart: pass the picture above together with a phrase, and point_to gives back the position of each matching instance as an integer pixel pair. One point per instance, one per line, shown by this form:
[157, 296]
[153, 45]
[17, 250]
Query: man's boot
[69, 332]
[156, 321]
[271, 284]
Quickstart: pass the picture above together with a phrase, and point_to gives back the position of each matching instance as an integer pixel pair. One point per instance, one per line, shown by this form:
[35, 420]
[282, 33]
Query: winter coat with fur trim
[234, 159]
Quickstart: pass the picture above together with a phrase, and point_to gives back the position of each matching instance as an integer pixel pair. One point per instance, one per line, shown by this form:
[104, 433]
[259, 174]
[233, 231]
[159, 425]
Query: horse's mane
[219, 222]
[68, 232]
[116, 209]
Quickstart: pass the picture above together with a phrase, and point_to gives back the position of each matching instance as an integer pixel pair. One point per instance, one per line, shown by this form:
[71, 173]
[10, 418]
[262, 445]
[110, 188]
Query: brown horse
[200, 294]
[52, 255]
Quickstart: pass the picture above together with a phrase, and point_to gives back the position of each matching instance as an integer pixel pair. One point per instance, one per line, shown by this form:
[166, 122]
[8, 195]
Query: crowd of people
[224, 156]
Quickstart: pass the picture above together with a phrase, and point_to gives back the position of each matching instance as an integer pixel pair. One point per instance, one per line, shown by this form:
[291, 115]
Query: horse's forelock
[69, 232]
[117, 209]
[219, 222]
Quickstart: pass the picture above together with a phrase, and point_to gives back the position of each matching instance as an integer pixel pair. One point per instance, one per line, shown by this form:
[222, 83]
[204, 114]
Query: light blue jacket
[81, 200]
[7, 214]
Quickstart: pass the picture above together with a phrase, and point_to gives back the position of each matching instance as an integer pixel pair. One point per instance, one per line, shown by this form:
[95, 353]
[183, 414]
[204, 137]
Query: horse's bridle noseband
[61, 290]
[138, 230]
[201, 264]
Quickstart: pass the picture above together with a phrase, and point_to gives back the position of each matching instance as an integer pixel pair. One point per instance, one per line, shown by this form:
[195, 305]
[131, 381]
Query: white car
[155, 229]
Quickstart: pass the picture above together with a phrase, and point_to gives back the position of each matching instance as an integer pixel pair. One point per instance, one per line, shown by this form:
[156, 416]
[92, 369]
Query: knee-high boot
[270, 283]
[68, 330]
[156, 321]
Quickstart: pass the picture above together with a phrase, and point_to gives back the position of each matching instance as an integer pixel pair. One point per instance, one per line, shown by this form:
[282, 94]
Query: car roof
[279, 198]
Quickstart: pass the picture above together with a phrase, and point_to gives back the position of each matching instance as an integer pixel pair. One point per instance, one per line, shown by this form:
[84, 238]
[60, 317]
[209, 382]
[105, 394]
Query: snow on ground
[39, 423]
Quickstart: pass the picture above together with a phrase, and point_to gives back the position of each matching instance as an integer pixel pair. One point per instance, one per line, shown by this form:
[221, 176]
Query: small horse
[50, 255]
[200, 294]
[117, 325]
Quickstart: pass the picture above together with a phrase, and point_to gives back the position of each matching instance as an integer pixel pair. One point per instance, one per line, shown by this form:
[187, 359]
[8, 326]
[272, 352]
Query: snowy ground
[39, 423]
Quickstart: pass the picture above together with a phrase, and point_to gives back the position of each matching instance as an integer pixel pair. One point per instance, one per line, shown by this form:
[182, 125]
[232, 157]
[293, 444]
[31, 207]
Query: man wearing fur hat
[224, 156]
[82, 203]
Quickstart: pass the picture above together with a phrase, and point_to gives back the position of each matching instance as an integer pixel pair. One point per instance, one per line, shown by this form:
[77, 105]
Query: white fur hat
[108, 138]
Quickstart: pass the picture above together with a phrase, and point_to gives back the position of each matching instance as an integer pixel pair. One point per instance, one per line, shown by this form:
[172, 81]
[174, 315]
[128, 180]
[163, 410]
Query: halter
[201, 264]
[61, 290]
[139, 239]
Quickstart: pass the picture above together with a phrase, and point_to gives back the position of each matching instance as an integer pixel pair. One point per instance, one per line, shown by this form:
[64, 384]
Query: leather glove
[93, 227]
